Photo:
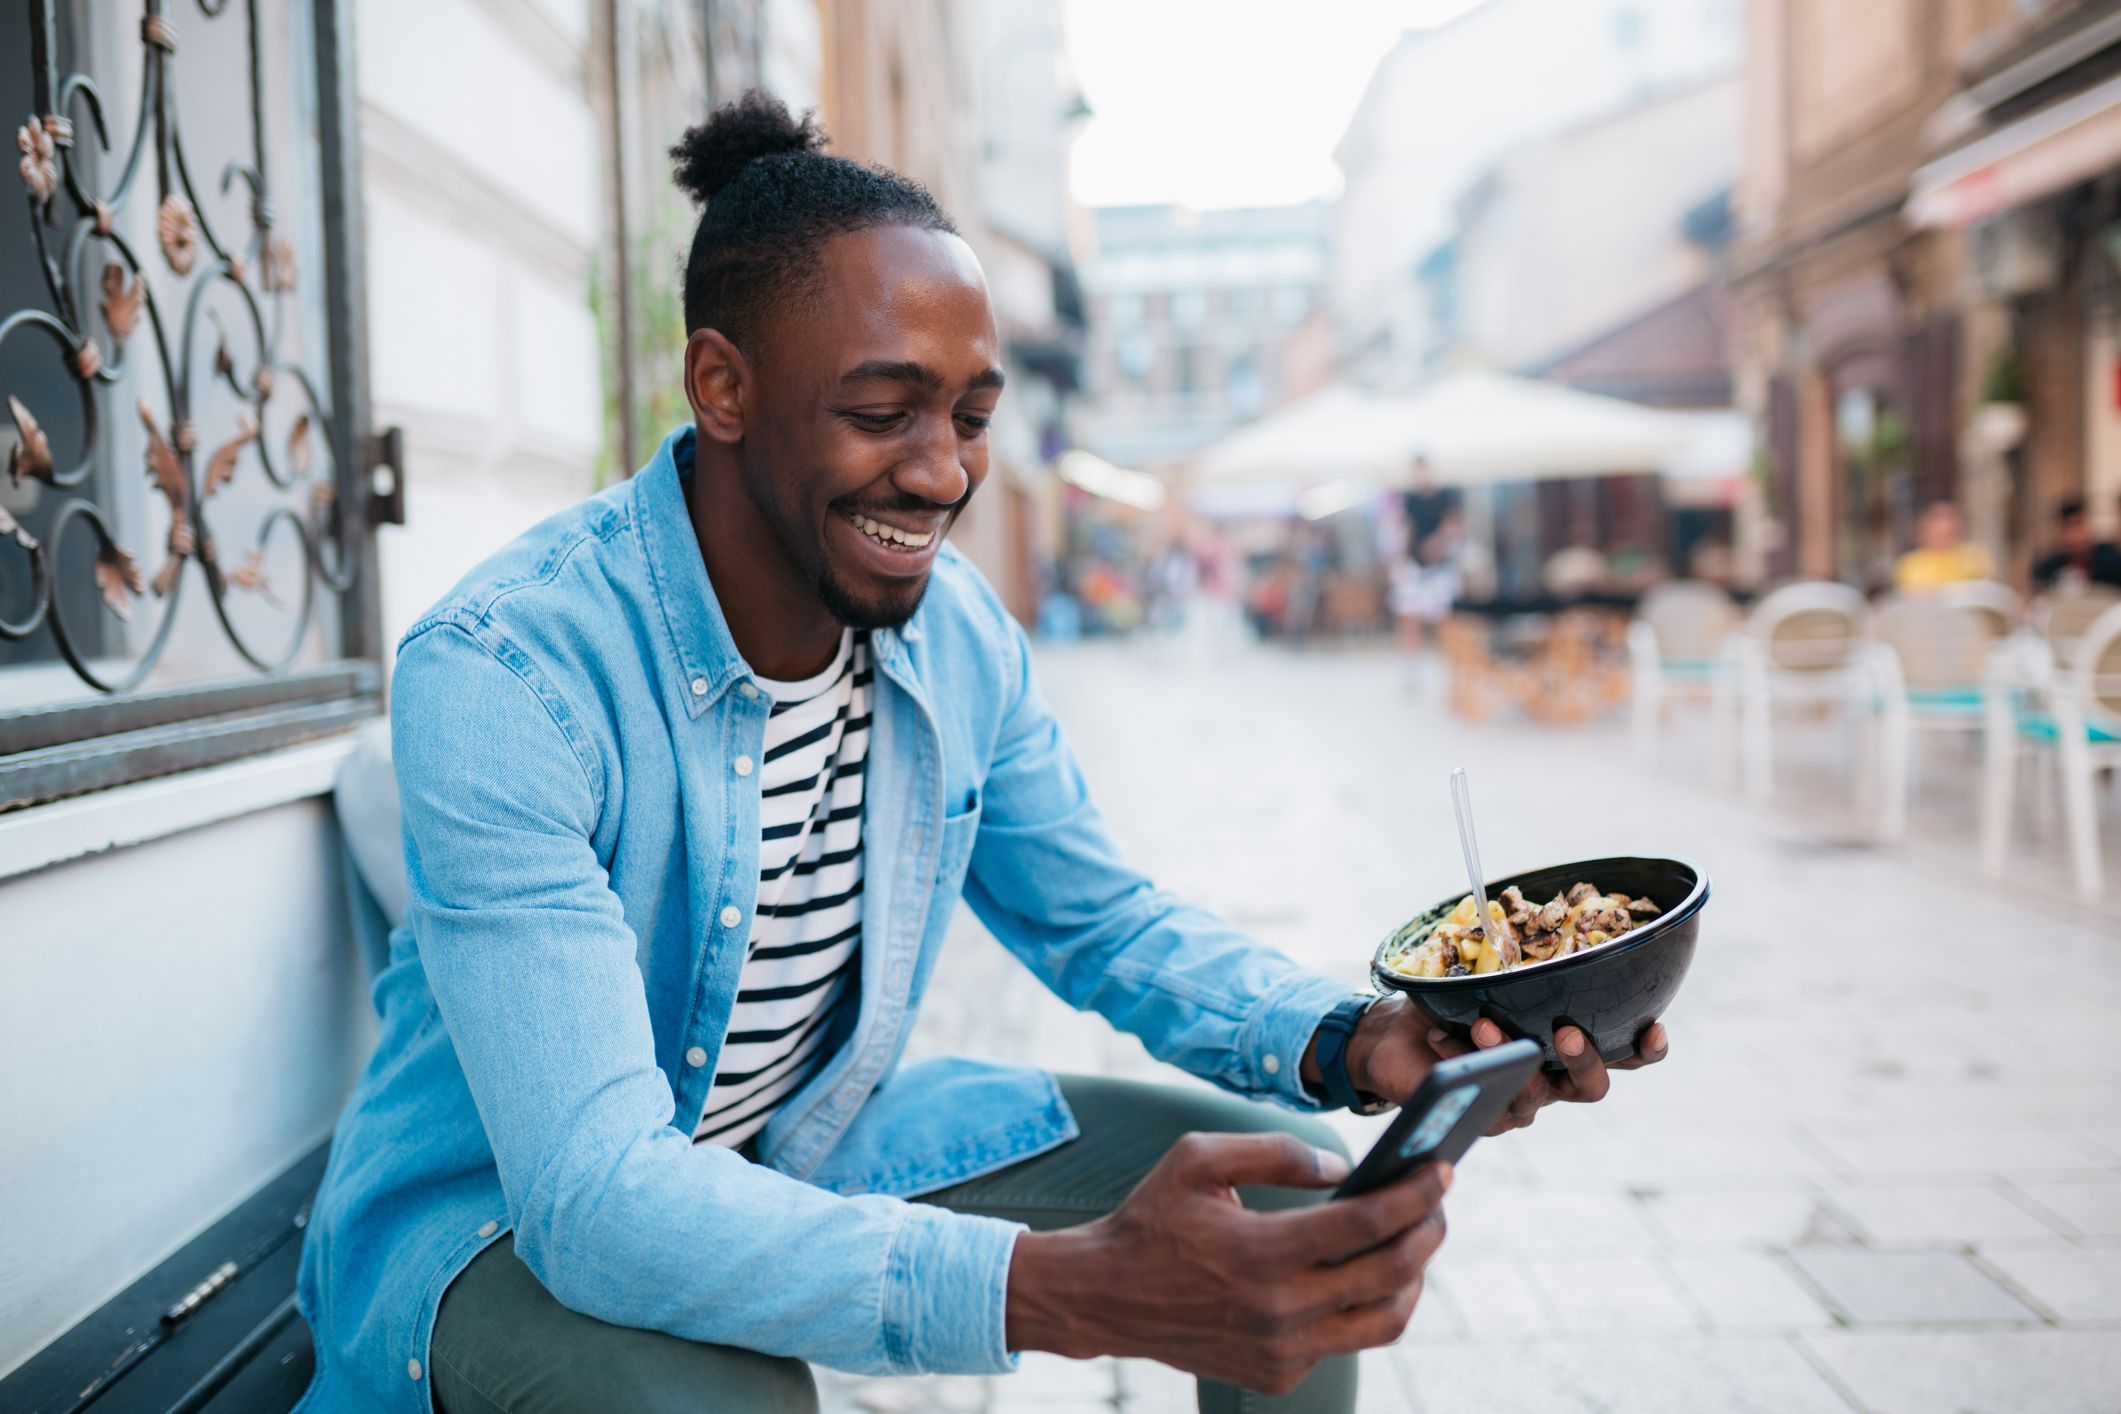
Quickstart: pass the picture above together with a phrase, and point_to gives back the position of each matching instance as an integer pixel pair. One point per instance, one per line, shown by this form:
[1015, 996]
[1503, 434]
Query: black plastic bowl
[1612, 991]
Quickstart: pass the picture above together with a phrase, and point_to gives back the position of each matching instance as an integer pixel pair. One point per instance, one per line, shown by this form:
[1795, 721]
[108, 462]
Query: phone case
[1440, 1121]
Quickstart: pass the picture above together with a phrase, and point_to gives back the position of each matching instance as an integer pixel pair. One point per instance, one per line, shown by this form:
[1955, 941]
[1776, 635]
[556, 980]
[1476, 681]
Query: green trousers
[503, 1345]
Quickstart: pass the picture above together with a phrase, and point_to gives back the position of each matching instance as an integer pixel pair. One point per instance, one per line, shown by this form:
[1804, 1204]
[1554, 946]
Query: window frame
[66, 750]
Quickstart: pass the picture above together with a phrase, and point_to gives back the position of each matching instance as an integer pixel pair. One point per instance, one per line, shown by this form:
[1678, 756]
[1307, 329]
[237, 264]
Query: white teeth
[890, 534]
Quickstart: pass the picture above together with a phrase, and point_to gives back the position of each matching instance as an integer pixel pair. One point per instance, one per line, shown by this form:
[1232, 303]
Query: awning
[2039, 155]
[1092, 473]
[1472, 427]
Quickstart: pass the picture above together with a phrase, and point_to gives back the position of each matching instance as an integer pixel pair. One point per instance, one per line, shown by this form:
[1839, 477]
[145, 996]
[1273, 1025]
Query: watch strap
[1334, 1033]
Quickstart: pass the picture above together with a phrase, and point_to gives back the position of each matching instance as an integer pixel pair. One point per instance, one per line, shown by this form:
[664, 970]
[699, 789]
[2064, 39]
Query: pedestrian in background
[1942, 554]
[2077, 560]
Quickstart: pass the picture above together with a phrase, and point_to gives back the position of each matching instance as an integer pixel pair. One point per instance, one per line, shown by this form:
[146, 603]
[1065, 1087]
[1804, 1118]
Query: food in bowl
[1579, 918]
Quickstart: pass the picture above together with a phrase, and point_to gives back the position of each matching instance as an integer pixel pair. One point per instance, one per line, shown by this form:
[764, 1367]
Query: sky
[1218, 103]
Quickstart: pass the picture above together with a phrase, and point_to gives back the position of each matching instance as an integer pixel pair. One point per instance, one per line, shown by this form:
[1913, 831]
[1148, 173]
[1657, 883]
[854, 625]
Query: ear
[717, 384]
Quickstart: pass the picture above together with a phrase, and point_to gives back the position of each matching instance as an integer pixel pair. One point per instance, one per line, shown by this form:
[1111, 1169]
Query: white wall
[484, 205]
[1445, 103]
[1575, 235]
[179, 1021]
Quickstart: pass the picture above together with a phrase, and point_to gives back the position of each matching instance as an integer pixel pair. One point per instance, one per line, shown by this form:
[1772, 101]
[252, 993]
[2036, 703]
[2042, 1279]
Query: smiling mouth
[891, 536]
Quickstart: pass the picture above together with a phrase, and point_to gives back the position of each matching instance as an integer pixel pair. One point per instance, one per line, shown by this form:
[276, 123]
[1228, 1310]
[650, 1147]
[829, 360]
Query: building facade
[1199, 322]
[1444, 105]
[1923, 274]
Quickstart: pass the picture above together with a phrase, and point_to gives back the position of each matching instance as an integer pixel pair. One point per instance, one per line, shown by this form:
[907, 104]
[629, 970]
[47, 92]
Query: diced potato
[1487, 961]
[1467, 914]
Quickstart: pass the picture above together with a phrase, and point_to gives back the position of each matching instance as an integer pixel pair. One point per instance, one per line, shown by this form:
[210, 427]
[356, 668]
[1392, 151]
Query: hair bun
[756, 125]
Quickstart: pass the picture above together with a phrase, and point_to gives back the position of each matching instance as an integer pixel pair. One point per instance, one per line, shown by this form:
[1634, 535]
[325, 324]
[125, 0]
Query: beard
[882, 609]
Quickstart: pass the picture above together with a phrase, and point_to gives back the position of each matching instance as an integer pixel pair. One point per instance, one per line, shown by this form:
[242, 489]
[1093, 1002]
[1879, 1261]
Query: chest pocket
[960, 830]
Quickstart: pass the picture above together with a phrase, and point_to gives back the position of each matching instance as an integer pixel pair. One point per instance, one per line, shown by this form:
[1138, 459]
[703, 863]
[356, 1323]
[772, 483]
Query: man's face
[871, 429]
[2076, 534]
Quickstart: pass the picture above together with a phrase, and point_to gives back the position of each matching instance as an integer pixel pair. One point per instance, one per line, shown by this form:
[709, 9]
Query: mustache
[907, 505]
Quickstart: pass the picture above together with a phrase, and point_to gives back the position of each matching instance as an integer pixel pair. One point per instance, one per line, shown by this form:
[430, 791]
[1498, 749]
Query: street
[1881, 1170]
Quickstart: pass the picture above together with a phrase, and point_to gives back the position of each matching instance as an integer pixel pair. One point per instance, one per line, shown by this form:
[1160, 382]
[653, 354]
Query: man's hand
[1183, 1274]
[1395, 1045]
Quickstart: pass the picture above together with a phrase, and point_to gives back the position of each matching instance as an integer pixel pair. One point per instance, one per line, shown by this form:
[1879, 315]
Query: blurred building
[1200, 321]
[1926, 268]
[1566, 237]
[1445, 104]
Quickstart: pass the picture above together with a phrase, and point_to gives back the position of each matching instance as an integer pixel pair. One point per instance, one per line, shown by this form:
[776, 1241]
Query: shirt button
[412, 1367]
[699, 687]
[488, 1229]
[1270, 1064]
[748, 690]
[731, 916]
[696, 1057]
[743, 765]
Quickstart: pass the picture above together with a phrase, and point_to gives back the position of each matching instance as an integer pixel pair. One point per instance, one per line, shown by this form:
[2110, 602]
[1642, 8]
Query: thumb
[1237, 1160]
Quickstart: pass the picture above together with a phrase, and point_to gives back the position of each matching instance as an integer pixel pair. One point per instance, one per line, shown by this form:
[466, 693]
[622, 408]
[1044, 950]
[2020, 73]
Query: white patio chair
[1804, 643]
[2071, 707]
[1931, 661]
[2062, 617]
[1676, 649]
[1998, 606]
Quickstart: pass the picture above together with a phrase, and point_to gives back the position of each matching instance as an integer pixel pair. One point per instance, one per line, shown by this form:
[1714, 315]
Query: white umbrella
[1474, 428]
[1331, 435]
[1477, 427]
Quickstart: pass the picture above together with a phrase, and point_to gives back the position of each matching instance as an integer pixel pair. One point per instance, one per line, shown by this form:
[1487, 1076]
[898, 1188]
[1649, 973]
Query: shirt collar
[708, 663]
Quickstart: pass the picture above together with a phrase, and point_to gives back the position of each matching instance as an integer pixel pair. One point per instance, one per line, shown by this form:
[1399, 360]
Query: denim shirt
[575, 737]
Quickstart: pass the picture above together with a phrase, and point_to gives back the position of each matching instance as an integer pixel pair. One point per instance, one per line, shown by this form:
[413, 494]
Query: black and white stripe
[806, 931]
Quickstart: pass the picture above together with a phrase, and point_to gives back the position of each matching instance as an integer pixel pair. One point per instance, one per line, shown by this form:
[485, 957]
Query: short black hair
[2072, 509]
[773, 196]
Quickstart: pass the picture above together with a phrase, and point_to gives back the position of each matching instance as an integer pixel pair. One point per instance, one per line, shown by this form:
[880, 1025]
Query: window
[1189, 308]
[186, 570]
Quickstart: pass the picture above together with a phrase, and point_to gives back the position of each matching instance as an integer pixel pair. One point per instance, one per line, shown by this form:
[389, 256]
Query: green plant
[2005, 382]
[654, 273]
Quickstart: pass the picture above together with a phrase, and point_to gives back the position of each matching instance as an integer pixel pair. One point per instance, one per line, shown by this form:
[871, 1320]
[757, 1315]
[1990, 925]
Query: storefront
[2029, 167]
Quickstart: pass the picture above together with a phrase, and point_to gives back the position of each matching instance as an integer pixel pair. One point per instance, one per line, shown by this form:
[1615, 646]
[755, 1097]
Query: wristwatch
[1333, 1036]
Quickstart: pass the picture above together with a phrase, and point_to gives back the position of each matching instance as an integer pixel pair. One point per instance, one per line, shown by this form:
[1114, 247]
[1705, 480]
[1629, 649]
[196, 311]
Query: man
[2077, 560]
[692, 776]
[1942, 554]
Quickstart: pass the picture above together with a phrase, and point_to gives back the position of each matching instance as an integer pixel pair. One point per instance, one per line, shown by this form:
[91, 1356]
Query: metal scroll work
[212, 308]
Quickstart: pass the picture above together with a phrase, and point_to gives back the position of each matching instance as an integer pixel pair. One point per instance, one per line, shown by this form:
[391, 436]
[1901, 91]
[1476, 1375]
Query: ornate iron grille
[101, 313]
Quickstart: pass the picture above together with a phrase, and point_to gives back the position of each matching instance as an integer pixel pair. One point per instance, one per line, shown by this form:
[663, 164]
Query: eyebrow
[915, 374]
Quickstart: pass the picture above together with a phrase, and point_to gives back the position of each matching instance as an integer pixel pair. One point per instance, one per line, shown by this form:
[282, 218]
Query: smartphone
[1440, 1121]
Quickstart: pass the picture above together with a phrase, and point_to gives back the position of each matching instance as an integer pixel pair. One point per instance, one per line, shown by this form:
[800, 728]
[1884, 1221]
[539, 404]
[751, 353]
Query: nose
[934, 468]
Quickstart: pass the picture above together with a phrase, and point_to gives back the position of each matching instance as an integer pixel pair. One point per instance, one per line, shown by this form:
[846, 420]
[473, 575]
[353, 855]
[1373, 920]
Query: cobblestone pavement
[1881, 1171]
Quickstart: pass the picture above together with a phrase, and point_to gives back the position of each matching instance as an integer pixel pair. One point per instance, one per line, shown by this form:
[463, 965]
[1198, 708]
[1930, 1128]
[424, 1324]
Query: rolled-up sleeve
[1048, 881]
[533, 968]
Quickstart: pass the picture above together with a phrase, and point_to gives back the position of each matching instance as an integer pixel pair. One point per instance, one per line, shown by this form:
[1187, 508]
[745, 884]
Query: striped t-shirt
[806, 931]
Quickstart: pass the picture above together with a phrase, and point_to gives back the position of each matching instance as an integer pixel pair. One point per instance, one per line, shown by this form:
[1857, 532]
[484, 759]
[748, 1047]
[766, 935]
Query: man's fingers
[1237, 1160]
[1342, 1228]
[1652, 1046]
[1376, 1275]
[1367, 1327]
[1587, 1073]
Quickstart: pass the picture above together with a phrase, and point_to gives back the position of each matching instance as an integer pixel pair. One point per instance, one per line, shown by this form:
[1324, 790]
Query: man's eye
[875, 421]
[973, 423]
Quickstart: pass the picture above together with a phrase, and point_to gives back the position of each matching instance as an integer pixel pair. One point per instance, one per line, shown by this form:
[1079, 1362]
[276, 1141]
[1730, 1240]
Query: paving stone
[1907, 1288]
[1747, 1291]
[1543, 1219]
[1934, 1215]
[2075, 1283]
[2038, 1153]
[2088, 1209]
[1150, 1388]
[1493, 1296]
[1728, 1375]
[1054, 1376]
[1590, 1294]
[1438, 1316]
[923, 1394]
[1975, 1372]
[1744, 1217]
